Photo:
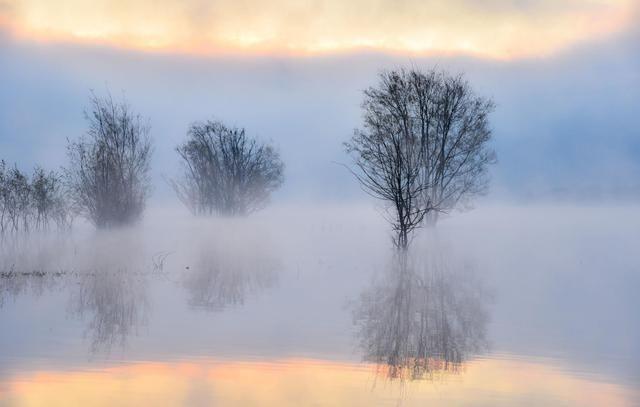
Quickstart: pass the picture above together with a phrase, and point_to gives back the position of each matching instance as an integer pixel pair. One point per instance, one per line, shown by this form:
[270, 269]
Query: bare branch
[108, 173]
[423, 147]
[225, 171]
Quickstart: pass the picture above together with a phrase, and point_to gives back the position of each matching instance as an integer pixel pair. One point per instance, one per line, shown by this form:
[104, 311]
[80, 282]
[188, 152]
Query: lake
[501, 305]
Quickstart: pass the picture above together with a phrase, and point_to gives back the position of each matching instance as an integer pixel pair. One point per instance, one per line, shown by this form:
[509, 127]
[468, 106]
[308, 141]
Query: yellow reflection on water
[301, 382]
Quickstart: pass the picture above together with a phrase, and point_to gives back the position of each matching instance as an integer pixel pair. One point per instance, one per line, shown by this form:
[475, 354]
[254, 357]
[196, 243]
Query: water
[503, 305]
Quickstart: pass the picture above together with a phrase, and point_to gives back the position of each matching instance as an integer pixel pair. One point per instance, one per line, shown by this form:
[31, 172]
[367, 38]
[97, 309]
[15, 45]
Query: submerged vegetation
[225, 171]
[423, 149]
[424, 146]
[108, 172]
[32, 203]
[107, 179]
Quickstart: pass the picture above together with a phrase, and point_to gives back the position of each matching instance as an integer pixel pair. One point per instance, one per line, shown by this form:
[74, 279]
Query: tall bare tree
[452, 124]
[387, 155]
[423, 147]
[226, 172]
[108, 173]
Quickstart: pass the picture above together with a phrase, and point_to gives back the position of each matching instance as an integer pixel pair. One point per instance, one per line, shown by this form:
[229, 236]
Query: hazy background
[565, 124]
[561, 279]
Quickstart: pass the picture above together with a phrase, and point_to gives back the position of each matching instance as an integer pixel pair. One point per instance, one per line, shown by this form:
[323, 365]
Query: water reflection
[14, 283]
[423, 317]
[108, 280]
[549, 336]
[306, 382]
[114, 303]
[223, 277]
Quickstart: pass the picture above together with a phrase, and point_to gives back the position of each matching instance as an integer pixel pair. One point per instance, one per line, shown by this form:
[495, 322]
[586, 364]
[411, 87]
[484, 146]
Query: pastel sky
[489, 28]
[565, 75]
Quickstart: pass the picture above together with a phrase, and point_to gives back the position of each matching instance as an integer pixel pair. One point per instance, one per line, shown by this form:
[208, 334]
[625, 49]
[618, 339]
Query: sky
[491, 28]
[565, 76]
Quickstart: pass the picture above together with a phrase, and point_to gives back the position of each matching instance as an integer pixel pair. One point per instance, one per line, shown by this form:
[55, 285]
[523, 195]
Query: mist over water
[537, 287]
[528, 298]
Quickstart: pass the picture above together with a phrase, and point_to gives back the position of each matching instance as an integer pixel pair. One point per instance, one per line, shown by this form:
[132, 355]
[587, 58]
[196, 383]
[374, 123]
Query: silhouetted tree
[226, 172]
[423, 147]
[108, 173]
[452, 124]
[31, 204]
[15, 192]
[49, 200]
[4, 209]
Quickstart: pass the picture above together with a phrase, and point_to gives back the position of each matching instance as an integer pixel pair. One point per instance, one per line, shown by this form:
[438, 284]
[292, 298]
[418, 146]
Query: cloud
[491, 28]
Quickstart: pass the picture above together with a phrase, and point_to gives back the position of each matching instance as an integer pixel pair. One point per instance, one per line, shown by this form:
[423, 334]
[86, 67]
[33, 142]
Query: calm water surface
[498, 306]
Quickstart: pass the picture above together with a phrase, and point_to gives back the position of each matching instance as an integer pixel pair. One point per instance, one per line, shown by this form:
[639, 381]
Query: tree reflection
[222, 278]
[111, 289]
[115, 303]
[31, 265]
[422, 318]
[15, 283]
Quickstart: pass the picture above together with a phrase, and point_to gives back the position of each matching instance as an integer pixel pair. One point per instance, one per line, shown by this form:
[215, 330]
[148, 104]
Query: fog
[564, 127]
[547, 281]
[543, 270]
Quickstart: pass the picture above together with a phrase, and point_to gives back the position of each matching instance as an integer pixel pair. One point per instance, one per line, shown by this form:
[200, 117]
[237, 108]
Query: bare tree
[18, 199]
[225, 171]
[387, 155]
[31, 203]
[49, 200]
[423, 147]
[14, 194]
[108, 174]
[4, 209]
[452, 124]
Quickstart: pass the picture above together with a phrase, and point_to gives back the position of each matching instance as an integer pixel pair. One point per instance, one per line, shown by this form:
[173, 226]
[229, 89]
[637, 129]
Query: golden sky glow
[490, 28]
[300, 382]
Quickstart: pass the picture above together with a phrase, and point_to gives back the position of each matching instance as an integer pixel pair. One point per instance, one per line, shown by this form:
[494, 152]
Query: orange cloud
[489, 28]
[300, 382]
